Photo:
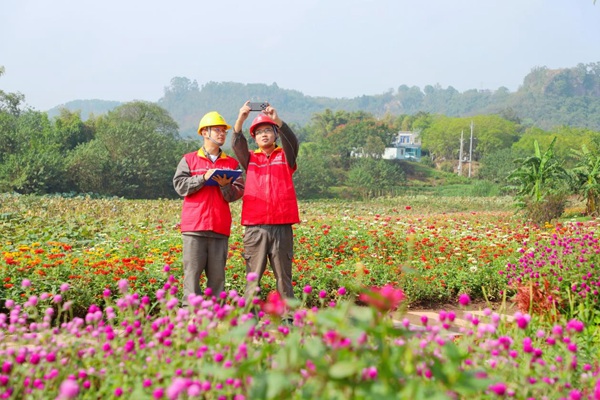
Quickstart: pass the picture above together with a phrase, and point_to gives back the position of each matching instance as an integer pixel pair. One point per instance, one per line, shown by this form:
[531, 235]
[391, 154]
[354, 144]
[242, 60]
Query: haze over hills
[547, 98]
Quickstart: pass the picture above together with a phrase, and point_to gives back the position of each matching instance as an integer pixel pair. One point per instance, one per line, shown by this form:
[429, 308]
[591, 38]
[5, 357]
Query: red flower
[408, 207]
[275, 305]
[386, 298]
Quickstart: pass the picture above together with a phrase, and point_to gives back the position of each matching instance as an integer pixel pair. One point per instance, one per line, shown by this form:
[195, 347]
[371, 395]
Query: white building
[406, 146]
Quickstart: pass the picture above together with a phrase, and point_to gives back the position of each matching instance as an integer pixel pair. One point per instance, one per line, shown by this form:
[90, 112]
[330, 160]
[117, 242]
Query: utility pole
[460, 153]
[471, 150]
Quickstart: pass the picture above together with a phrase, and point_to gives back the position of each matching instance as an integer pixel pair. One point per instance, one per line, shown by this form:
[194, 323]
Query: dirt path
[415, 315]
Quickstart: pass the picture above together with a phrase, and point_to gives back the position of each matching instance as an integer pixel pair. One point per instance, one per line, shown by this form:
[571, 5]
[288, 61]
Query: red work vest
[269, 194]
[207, 210]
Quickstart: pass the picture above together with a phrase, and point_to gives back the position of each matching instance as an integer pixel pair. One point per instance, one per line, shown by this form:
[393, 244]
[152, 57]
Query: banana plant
[539, 175]
[586, 179]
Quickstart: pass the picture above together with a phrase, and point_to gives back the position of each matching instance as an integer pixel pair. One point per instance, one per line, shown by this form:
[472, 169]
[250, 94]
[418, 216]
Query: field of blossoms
[90, 289]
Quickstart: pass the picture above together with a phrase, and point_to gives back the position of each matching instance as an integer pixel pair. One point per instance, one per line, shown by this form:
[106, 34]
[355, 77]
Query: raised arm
[239, 144]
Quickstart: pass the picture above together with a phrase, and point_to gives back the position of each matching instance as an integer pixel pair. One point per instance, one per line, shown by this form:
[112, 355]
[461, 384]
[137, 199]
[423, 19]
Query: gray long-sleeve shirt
[185, 183]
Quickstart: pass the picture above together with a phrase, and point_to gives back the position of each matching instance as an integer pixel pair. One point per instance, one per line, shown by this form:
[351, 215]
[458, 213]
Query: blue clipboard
[229, 173]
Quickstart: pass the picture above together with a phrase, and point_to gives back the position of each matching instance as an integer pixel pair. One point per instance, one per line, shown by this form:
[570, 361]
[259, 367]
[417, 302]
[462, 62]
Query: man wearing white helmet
[206, 216]
[269, 205]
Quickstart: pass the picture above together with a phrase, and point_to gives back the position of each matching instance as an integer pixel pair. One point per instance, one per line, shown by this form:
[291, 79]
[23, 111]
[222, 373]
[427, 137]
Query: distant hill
[87, 107]
[547, 98]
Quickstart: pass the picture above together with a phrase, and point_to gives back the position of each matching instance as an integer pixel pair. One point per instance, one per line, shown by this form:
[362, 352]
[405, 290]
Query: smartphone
[259, 106]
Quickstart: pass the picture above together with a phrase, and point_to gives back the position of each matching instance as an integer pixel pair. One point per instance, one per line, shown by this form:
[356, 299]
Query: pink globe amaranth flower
[106, 293]
[9, 303]
[57, 298]
[64, 287]
[118, 392]
[252, 277]
[575, 325]
[158, 393]
[166, 268]
[307, 289]
[25, 283]
[386, 298]
[322, 294]
[6, 367]
[342, 291]
[522, 320]
[275, 305]
[69, 389]
[464, 299]
[123, 285]
[498, 388]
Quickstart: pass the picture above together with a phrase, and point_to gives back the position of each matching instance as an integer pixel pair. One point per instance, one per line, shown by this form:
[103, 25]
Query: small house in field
[406, 146]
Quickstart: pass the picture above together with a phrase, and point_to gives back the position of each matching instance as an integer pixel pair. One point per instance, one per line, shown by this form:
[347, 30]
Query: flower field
[90, 289]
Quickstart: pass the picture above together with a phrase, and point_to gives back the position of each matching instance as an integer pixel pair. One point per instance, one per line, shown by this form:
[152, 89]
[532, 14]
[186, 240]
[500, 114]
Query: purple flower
[464, 299]
[322, 294]
[252, 277]
[575, 325]
[64, 287]
[498, 388]
[69, 389]
[25, 283]
[123, 285]
[158, 393]
[522, 320]
[118, 392]
[342, 291]
[307, 289]
[166, 268]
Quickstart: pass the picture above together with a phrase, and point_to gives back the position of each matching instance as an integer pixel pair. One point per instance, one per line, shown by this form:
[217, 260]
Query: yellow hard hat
[212, 118]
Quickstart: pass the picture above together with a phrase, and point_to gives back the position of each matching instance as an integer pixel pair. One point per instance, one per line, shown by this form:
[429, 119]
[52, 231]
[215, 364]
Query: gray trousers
[274, 243]
[204, 254]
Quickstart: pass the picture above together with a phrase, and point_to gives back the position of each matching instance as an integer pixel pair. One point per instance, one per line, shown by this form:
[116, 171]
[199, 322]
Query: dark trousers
[204, 254]
[274, 243]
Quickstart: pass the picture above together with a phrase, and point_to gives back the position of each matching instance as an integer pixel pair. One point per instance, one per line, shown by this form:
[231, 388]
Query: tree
[70, 130]
[316, 172]
[370, 177]
[10, 102]
[35, 163]
[137, 146]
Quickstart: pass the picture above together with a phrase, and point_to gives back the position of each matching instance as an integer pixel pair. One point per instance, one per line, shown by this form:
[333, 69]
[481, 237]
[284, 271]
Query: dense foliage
[132, 150]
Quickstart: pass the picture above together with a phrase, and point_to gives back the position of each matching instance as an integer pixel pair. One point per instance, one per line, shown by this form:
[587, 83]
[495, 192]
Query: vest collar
[201, 153]
[277, 148]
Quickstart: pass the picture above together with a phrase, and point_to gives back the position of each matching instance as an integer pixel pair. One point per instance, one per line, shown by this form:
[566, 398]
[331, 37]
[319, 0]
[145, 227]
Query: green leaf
[343, 369]
[277, 382]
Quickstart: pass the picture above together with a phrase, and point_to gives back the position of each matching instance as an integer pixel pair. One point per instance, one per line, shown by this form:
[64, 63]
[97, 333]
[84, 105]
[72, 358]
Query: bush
[546, 210]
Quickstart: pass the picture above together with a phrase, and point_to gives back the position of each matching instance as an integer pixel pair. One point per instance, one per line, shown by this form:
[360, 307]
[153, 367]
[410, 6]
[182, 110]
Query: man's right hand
[208, 174]
[242, 116]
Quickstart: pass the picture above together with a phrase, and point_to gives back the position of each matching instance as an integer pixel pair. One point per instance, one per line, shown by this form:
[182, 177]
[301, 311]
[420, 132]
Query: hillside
[547, 98]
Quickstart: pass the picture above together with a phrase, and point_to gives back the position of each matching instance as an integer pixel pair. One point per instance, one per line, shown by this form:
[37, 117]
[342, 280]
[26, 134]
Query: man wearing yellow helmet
[205, 215]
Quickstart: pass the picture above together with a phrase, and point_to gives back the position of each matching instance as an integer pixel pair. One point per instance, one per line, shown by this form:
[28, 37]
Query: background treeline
[132, 150]
[547, 98]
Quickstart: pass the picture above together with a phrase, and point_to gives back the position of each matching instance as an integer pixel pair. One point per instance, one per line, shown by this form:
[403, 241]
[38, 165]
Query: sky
[57, 51]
